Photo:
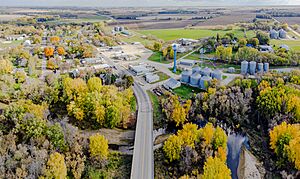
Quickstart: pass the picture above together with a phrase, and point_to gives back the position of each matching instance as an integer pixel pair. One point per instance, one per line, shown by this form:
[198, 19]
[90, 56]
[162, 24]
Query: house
[287, 48]
[91, 61]
[172, 84]
[266, 48]
[151, 78]
[187, 42]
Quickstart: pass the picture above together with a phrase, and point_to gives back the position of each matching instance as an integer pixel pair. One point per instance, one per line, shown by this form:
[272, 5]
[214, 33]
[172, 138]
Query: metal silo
[252, 68]
[185, 76]
[206, 71]
[217, 74]
[196, 69]
[266, 67]
[194, 81]
[244, 67]
[260, 67]
[204, 82]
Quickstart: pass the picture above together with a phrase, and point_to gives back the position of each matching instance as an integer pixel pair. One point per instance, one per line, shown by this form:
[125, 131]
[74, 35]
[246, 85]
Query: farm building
[139, 69]
[27, 43]
[194, 80]
[274, 34]
[266, 48]
[217, 74]
[151, 78]
[187, 42]
[172, 84]
[187, 62]
[231, 70]
[287, 48]
[206, 71]
[282, 34]
[204, 82]
[91, 61]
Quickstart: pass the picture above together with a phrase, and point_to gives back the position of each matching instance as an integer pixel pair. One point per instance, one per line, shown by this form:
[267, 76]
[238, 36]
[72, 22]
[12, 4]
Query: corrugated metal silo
[204, 82]
[185, 76]
[244, 67]
[252, 68]
[196, 70]
[217, 74]
[266, 67]
[260, 67]
[206, 71]
[194, 81]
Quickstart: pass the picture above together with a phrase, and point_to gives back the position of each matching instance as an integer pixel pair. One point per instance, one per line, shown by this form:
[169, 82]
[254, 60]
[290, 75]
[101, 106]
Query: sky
[142, 3]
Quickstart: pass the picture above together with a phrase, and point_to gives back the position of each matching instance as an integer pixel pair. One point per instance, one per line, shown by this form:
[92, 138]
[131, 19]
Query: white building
[139, 69]
[152, 78]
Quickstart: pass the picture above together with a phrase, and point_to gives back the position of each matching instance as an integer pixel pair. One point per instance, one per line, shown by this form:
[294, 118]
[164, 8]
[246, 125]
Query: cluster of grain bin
[252, 67]
[198, 77]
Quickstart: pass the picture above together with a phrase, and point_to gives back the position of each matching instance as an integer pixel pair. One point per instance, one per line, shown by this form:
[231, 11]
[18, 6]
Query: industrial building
[139, 70]
[151, 78]
[187, 62]
[252, 67]
[172, 84]
[200, 78]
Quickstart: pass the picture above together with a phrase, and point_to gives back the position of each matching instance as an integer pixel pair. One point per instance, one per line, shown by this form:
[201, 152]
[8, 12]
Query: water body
[234, 145]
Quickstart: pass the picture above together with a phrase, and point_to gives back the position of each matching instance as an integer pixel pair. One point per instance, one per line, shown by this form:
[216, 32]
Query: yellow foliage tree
[172, 147]
[98, 146]
[54, 39]
[61, 51]
[5, 66]
[189, 134]
[207, 133]
[94, 84]
[56, 167]
[215, 168]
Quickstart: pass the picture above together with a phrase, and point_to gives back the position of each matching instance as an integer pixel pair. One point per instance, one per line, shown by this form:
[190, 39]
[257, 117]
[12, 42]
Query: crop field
[173, 34]
[293, 44]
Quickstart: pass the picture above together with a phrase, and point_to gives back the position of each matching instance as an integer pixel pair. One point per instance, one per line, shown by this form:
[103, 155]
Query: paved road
[143, 162]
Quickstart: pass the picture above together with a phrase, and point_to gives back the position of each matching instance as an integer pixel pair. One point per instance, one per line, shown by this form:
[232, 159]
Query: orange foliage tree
[49, 51]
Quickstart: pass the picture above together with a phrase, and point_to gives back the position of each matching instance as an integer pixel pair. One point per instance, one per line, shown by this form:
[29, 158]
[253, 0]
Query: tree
[242, 42]
[171, 55]
[36, 39]
[94, 84]
[54, 39]
[98, 146]
[56, 167]
[263, 38]
[157, 46]
[254, 42]
[5, 66]
[172, 147]
[49, 51]
[219, 139]
[61, 51]
[224, 53]
[215, 168]
[284, 140]
[75, 159]
[189, 134]
[56, 136]
[247, 53]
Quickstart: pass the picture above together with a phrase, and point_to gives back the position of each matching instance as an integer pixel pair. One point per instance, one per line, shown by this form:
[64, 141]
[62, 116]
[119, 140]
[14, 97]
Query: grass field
[157, 110]
[162, 77]
[12, 44]
[186, 92]
[293, 44]
[173, 34]
[157, 57]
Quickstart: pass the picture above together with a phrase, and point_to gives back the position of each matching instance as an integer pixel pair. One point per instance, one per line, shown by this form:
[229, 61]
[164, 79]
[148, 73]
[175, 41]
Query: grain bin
[217, 74]
[206, 71]
[282, 34]
[185, 76]
[231, 70]
[194, 80]
[266, 67]
[244, 67]
[252, 68]
[204, 82]
[260, 67]
[196, 70]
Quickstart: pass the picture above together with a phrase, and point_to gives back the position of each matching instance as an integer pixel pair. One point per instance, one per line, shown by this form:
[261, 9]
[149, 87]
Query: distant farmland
[173, 34]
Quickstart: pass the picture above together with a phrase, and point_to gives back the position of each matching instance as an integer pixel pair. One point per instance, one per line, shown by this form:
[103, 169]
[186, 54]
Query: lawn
[178, 72]
[157, 110]
[12, 44]
[186, 92]
[173, 34]
[293, 44]
[162, 77]
[157, 57]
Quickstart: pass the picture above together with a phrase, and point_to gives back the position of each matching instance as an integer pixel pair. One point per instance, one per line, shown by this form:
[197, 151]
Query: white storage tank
[260, 67]
[206, 71]
[244, 67]
[217, 74]
[282, 33]
[252, 68]
[204, 82]
[185, 76]
[266, 67]
[196, 70]
[194, 80]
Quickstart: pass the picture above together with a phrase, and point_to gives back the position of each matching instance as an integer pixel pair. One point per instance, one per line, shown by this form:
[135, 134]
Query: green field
[162, 77]
[12, 44]
[293, 44]
[157, 110]
[173, 34]
[158, 57]
[186, 92]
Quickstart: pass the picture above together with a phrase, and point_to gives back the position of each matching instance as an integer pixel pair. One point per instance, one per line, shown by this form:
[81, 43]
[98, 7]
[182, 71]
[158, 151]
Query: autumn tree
[285, 141]
[172, 147]
[49, 51]
[224, 53]
[61, 51]
[215, 168]
[54, 39]
[56, 167]
[157, 46]
[94, 84]
[242, 42]
[98, 146]
[5, 66]
[263, 37]
[189, 134]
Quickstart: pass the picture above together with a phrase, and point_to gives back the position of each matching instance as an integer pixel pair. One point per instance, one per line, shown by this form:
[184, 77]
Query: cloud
[117, 3]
